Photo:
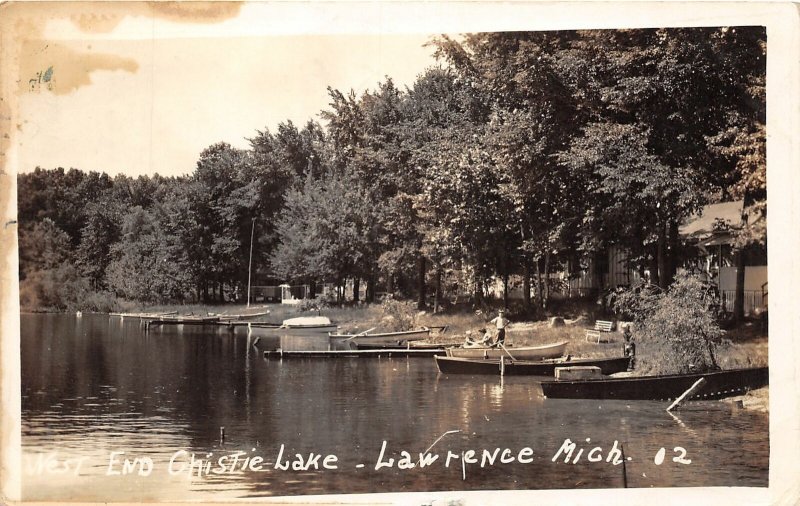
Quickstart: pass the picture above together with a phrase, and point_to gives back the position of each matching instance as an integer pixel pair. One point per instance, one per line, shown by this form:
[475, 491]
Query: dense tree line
[517, 153]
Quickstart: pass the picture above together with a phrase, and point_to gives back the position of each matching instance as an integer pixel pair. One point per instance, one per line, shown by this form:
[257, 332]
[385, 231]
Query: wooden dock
[353, 353]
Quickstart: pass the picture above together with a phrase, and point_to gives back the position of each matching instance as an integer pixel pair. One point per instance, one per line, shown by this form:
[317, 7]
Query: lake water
[96, 385]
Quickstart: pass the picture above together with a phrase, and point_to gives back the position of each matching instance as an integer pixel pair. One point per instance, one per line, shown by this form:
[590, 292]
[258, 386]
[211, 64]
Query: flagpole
[250, 264]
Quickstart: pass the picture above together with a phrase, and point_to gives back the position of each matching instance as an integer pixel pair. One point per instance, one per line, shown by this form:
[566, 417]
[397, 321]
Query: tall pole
[250, 264]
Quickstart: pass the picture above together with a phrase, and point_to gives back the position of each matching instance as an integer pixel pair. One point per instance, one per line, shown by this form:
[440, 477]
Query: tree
[441, 118]
[366, 142]
[144, 266]
[652, 91]
[328, 231]
[44, 247]
[677, 327]
[515, 76]
[99, 233]
[48, 278]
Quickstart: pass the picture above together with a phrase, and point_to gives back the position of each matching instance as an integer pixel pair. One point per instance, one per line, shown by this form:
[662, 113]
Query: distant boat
[385, 353]
[305, 325]
[664, 387]
[143, 315]
[411, 345]
[454, 365]
[552, 350]
[384, 337]
[307, 322]
[190, 319]
[236, 317]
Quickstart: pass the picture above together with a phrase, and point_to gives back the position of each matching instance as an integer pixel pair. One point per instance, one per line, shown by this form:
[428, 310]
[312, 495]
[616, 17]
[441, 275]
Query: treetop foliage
[519, 152]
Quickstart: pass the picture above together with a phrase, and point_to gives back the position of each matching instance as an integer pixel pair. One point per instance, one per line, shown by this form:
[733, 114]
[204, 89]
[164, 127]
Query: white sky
[200, 83]
[198, 89]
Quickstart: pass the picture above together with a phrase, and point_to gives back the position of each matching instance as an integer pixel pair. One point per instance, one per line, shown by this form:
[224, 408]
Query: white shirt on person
[500, 321]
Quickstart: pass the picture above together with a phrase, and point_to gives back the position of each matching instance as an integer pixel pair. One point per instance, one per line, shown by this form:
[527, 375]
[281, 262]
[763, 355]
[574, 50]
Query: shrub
[677, 329]
[402, 315]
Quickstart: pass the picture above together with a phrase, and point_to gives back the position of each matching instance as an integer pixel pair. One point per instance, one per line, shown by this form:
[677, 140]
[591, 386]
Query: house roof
[710, 218]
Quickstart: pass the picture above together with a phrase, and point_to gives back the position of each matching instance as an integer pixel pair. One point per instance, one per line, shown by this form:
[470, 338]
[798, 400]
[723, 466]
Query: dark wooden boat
[456, 365]
[413, 345]
[718, 384]
[185, 320]
[387, 353]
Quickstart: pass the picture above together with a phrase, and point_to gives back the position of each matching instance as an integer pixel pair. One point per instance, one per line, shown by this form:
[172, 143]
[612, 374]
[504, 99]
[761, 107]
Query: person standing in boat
[501, 322]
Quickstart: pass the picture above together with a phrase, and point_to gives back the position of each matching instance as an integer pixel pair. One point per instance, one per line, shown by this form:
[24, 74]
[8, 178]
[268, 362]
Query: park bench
[600, 327]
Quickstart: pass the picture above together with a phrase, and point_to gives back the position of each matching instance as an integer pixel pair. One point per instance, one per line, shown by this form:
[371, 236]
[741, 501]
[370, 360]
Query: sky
[126, 101]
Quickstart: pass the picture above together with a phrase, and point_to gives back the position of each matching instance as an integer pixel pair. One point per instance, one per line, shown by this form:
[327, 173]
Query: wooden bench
[600, 327]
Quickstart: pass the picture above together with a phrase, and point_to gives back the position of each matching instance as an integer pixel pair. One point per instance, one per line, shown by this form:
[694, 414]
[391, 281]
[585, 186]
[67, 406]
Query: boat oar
[688, 393]
[506, 350]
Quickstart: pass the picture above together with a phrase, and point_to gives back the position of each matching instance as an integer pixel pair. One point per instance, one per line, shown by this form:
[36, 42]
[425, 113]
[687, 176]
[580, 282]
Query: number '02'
[680, 458]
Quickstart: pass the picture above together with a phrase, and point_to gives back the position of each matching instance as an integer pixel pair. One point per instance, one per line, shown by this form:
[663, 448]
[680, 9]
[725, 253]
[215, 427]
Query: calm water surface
[97, 384]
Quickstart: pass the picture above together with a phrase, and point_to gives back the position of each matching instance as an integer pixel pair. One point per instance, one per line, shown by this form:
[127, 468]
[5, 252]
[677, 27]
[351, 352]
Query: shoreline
[754, 400]
[748, 347]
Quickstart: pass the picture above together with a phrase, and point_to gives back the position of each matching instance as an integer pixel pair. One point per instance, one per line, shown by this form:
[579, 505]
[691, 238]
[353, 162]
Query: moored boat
[144, 315]
[304, 325]
[274, 329]
[185, 319]
[243, 316]
[308, 322]
[411, 345]
[384, 353]
[384, 337]
[551, 350]
[664, 387]
[455, 365]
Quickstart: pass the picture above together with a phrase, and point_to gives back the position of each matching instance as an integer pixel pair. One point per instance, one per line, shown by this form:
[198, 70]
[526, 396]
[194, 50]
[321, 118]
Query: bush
[401, 315]
[677, 329]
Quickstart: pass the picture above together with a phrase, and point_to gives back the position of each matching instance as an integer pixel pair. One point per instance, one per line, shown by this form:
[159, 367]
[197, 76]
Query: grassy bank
[755, 400]
[747, 345]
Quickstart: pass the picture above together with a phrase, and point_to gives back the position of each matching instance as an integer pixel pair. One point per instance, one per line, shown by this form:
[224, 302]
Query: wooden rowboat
[243, 316]
[552, 350]
[303, 323]
[275, 329]
[454, 365]
[665, 387]
[388, 353]
[384, 337]
[412, 345]
[307, 322]
[185, 319]
[143, 315]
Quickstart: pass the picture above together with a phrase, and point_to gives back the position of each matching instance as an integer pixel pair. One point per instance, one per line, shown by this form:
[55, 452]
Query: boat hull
[454, 365]
[718, 384]
[518, 353]
[280, 330]
[393, 346]
[387, 353]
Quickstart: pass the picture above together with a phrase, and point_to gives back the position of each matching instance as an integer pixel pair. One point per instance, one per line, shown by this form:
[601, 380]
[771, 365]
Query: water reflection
[99, 385]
